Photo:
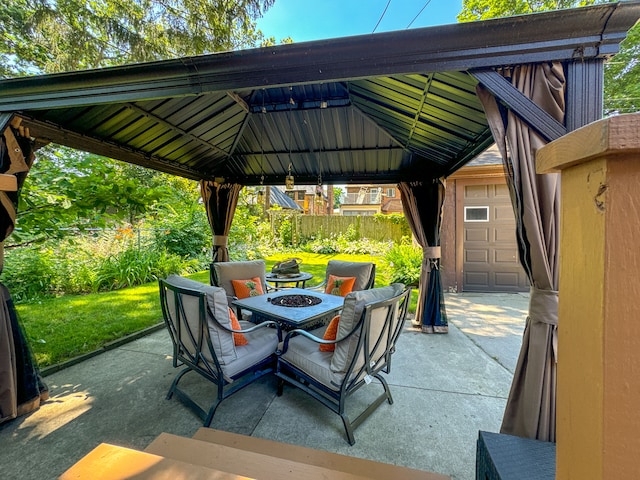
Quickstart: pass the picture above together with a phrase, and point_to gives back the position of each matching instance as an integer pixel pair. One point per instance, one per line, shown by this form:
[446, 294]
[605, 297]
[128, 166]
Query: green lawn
[62, 328]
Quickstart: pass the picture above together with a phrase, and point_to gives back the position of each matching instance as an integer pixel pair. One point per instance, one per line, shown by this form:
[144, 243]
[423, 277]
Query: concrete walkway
[445, 389]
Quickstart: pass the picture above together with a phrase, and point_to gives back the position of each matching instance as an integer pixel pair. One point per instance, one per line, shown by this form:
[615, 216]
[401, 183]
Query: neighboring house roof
[491, 156]
[283, 200]
[392, 205]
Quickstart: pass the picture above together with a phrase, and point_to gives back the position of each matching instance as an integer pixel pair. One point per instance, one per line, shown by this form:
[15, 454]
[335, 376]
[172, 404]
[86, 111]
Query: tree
[74, 190]
[39, 36]
[485, 9]
[622, 73]
[337, 197]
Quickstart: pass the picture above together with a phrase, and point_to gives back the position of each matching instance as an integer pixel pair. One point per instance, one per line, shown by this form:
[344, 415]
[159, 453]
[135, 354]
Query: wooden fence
[376, 228]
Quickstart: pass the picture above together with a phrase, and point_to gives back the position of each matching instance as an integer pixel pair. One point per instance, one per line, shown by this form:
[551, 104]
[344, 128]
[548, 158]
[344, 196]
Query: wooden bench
[213, 454]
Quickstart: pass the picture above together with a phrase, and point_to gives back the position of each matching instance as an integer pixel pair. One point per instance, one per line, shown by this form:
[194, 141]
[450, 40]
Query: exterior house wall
[371, 199]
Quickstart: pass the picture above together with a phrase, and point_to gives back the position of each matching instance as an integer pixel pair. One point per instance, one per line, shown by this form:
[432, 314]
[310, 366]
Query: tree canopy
[622, 73]
[45, 36]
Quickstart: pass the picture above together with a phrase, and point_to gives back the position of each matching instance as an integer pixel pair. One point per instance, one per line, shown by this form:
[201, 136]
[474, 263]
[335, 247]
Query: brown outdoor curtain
[220, 200]
[531, 407]
[21, 387]
[422, 202]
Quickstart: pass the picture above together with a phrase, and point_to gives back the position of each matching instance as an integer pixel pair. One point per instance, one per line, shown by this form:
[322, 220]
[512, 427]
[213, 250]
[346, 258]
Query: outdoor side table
[279, 280]
[507, 457]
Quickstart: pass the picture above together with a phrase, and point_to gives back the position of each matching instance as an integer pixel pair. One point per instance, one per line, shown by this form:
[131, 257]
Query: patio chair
[366, 335]
[234, 278]
[362, 273]
[199, 323]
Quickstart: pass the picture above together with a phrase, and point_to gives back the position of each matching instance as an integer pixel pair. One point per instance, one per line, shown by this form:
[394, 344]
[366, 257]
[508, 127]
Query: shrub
[89, 263]
[404, 262]
[186, 235]
[29, 273]
[135, 267]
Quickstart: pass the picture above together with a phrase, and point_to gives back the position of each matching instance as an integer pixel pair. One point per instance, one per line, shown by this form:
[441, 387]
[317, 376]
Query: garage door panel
[501, 191]
[477, 279]
[476, 234]
[505, 256]
[508, 281]
[476, 191]
[477, 256]
[505, 235]
[503, 213]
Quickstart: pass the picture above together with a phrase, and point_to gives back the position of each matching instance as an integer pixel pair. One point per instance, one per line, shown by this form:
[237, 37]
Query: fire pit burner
[295, 300]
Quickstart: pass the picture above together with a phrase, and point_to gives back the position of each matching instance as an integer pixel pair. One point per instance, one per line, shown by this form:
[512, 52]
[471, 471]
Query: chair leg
[280, 387]
[387, 390]
[175, 382]
[212, 410]
[348, 428]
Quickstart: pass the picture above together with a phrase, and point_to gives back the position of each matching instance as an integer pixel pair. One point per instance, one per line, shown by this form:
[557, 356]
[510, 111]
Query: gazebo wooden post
[599, 303]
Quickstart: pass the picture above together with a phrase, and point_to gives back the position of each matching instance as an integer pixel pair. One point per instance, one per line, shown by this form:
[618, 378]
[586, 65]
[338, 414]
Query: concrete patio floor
[445, 389]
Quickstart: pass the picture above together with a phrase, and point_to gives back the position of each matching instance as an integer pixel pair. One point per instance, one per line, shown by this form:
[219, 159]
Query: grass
[62, 328]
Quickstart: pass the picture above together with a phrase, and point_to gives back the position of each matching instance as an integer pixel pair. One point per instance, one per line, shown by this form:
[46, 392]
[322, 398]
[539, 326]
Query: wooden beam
[45, 131]
[18, 163]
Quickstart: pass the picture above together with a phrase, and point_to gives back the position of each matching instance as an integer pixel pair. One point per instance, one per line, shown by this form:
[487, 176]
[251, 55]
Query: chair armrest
[251, 329]
[264, 324]
[318, 288]
[292, 333]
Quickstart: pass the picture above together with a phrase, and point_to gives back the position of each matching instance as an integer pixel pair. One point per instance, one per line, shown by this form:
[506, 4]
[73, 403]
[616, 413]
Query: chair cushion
[227, 271]
[330, 334]
[360, 270]
[238, 338]
[354, 304]
[221, 340]
[263, 343]
[304, 354]
[339, 285]
[247, 288]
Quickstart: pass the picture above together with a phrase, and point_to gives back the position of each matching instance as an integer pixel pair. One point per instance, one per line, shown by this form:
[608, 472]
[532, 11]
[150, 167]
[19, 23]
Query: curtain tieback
[543, 308]
[220, 240]
[431, 252]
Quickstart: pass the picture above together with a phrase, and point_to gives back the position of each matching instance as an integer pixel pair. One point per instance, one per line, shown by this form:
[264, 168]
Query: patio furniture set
[328, 345]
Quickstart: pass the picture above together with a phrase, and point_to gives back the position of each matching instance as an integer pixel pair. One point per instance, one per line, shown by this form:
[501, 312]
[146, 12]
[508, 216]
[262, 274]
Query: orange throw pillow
[238, 338]
[247, 288]
[340, 285]
[330, 334]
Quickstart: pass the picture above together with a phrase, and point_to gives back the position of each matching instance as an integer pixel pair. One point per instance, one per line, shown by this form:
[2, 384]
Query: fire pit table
[292, 308]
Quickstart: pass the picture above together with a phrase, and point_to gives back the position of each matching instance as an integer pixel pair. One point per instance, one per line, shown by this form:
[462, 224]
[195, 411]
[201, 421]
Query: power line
[421, 10]
[381, 16]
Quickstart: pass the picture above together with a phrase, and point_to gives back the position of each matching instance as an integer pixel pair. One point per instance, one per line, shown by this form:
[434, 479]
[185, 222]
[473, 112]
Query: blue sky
[305, 20]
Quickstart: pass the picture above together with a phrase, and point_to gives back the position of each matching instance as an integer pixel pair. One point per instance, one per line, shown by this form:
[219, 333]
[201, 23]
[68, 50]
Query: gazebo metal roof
[376, 108]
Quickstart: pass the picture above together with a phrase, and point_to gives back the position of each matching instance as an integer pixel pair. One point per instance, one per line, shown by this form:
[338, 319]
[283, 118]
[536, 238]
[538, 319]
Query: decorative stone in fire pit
[295, 300]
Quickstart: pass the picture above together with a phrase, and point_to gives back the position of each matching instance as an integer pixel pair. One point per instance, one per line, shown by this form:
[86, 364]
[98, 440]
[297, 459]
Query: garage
[489, 250]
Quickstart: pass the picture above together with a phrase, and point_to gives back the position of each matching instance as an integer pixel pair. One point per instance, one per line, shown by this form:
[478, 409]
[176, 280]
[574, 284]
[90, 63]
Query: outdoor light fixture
[288, 181]
[323, 105]
[260, 197]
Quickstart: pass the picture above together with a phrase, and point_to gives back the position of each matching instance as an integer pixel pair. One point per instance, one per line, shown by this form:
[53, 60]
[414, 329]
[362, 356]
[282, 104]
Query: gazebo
[408, 107]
